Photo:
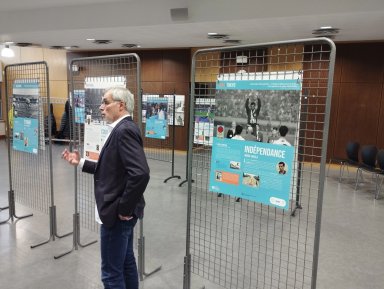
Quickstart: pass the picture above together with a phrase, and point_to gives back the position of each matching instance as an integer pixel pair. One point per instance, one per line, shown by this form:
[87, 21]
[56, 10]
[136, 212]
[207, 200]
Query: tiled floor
[351, 251]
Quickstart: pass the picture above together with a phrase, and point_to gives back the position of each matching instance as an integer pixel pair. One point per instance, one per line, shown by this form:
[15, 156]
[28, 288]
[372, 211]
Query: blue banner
[25, 134]
[252, 170]
[25, 105]
[156, 118]
[79, 101]
[278, 84]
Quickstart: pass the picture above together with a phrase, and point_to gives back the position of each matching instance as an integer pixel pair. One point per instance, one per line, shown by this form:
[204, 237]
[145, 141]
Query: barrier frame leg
[52, 229]
[76, 237]
[12, 209]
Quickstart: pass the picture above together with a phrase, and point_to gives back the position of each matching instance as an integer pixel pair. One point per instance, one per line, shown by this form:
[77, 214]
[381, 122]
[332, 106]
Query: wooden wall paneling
[380, 129]
[176, 87]
[363, 62]
[57, 63]
[338, 64]
[358, 115]
[176, 66]
[151, 66]
[31, 54]
[152, 87]
[333, 121]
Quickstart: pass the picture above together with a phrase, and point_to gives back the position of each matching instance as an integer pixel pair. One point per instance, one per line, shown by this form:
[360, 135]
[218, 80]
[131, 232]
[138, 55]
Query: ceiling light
[23, 44]
[56, 47]
[71, 47]
[326, 31]
[129, 45]
[326, 27]
[90, 39]
[217, 36]
[102, 41]
[232, 41]
[212, 33]
[7, 52]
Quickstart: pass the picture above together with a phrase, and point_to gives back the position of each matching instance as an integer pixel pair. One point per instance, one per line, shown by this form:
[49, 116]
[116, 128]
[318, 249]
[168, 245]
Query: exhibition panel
[257, 152]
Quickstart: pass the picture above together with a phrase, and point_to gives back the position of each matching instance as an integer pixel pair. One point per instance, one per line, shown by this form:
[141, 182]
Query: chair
[368, 159]
[380, 163]
[352, 151]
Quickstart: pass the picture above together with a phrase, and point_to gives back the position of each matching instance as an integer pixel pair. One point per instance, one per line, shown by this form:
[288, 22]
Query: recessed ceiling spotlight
[232, 41]
[91, 39]
[129, 45]
[326, 27]
[102, 41]
[218, 36]
[56, 47]
[212, 33]
[71, 47]
[326, 31]
[23, 44]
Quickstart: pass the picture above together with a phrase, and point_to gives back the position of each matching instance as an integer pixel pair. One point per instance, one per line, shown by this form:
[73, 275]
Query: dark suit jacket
[121, 174]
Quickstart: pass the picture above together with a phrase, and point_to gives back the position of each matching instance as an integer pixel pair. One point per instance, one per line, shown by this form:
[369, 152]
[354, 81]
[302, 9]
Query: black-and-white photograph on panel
[261, 110]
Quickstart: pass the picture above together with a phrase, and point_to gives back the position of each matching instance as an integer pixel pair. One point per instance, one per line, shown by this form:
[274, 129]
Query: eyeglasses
[106, 102]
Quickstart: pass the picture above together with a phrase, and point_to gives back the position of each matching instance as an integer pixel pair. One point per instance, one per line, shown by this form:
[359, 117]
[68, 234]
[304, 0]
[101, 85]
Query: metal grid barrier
[95, 74]
[239, 243]
[29, 155]
[90, 77]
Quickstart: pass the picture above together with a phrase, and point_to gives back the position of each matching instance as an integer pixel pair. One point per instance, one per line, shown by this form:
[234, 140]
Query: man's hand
[73, 158]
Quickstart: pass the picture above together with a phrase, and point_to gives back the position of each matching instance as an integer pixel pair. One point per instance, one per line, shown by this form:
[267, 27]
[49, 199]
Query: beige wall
[57, 72]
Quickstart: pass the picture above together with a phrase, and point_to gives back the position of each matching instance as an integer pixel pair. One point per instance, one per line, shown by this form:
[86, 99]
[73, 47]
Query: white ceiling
[148, 23]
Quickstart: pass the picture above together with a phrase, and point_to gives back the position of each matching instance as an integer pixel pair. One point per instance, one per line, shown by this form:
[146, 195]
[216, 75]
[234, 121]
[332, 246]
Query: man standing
[283, 130]
[253, 113]
[121, 175]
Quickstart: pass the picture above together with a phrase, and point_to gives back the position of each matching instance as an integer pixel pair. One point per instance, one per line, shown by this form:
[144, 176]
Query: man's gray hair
[124, 95]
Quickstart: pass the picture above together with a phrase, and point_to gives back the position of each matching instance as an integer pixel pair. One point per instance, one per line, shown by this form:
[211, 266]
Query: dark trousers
[118, 263]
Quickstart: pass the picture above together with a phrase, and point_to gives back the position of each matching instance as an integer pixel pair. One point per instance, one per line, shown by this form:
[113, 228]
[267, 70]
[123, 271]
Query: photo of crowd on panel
[204, 121]
[255, 136]
[96, 129]
[26, 113]
[155, 110]
[179, 108]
